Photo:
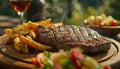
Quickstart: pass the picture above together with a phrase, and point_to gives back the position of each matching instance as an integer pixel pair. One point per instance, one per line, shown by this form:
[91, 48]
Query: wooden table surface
[8, 63]
[7, 22]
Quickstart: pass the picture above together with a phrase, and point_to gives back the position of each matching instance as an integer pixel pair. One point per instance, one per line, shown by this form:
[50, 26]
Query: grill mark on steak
[84, 33]
[51, 37]
[65, 34]
[51, 34]
[77, 33]
[71, 32]
[72, 27]
[57, 33]
[62, 28]
[62, 33]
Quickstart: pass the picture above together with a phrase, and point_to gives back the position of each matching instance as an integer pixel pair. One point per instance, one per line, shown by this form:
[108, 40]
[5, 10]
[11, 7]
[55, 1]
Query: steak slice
[69, 36]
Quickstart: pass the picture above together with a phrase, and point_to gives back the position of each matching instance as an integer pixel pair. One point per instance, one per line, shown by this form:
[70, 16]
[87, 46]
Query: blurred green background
[5, 8]
[70, 11]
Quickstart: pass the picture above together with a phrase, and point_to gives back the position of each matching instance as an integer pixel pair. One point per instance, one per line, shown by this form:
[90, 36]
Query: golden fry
[58, 24]
[18, 28]
[20, 46]
[8, 31]
[45, 22]
[29, 29]
[34, 44]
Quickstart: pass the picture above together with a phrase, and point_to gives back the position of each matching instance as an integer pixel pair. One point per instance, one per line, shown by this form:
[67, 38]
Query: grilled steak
[70, 36]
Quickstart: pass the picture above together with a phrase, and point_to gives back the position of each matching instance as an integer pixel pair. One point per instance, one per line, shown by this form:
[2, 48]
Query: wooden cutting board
[10, 58]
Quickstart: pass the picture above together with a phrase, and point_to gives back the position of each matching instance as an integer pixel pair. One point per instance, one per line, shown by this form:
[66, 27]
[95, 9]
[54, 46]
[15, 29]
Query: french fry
[19, 27]
[34, 44]
[45, 22]
[20, 46]
[58, 24]
[8, 31]
[31, 25]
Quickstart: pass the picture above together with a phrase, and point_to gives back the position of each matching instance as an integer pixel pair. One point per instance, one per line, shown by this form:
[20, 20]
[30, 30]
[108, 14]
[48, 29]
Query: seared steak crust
[70, 36]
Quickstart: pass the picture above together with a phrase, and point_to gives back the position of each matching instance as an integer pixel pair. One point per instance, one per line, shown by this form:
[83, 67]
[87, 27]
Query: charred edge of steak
[91, 47]
[70, 36]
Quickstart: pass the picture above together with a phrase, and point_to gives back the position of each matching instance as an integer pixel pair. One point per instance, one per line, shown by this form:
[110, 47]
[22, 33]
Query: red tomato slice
[34, 62]
[114, 23]
[100, 24]
[77, 57]
[107, 67]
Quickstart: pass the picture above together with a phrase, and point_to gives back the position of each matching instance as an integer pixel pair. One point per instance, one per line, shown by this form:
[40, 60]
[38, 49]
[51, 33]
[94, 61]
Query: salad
[73, 59]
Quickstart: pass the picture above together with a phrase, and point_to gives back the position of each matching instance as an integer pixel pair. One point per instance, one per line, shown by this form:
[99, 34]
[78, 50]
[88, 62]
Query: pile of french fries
[24, 36]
